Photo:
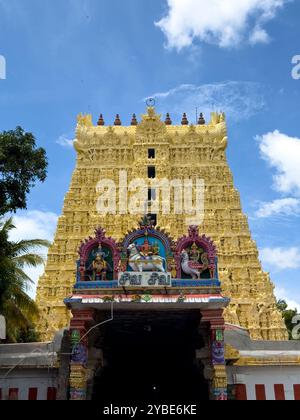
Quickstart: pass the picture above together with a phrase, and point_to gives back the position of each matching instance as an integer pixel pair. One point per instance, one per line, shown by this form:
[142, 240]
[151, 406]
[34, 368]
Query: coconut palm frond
[18, 308]
[29, 260]
[7, 225]
[16, 321]
[25, 304]
[22, 279]
[26, 246]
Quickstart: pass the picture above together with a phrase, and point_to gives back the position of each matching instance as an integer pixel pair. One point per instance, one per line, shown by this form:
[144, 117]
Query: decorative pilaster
[78, 373]
[219, 384]
[78, 383]
[216, 323]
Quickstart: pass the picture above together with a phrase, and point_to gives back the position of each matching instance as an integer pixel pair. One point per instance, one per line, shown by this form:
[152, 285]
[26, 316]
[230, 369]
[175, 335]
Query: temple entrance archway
[151, 357]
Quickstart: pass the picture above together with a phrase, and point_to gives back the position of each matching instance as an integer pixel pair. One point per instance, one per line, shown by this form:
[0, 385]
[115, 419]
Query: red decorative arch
[100, 239]
[201, 241]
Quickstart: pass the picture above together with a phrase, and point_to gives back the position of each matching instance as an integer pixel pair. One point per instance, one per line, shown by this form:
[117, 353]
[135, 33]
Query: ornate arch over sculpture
[98, 247]
[199, 252]
[149, 242]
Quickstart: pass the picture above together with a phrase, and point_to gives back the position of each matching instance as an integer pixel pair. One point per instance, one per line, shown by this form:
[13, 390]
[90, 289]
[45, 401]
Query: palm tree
[16, 306]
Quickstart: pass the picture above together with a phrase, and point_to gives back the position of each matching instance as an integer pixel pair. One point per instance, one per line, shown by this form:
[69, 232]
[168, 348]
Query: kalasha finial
[150, 102]
[184, 120]
[101, 120]
[201, 120]
[168, 120]
[117, 120]
[134, 120]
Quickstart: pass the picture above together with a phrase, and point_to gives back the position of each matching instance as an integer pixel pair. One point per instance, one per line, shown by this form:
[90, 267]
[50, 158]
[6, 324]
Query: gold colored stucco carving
[181, 152]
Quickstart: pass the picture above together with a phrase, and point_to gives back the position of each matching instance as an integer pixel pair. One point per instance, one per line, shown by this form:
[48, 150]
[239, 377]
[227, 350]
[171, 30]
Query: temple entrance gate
[151, 357]
[165, 328]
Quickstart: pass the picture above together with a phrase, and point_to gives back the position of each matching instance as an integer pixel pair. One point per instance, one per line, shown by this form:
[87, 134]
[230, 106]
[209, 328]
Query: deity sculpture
[194, 253]
[155, 248]
[186, 266]
[100, 252]
[147, 249]
[140, 262]
[100, 266]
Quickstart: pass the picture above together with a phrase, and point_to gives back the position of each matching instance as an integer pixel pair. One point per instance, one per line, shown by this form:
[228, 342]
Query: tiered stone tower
[153, 148]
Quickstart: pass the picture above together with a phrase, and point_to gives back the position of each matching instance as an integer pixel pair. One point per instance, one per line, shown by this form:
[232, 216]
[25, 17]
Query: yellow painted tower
[156, 148]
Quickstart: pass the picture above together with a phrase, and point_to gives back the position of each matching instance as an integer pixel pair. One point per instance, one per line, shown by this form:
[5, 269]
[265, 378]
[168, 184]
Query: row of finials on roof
[168, 120]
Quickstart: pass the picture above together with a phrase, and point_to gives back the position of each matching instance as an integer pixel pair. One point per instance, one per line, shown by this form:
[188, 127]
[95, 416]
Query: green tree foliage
[17, 307]
[288, 315]
[22, 164]
[28, 335]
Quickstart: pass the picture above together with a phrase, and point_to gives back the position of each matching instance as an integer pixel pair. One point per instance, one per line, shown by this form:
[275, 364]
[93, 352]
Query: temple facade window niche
[151, 172]
[151, 153]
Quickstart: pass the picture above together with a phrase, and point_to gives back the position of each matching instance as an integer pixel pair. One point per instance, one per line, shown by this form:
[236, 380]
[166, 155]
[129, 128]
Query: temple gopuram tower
[156, 149]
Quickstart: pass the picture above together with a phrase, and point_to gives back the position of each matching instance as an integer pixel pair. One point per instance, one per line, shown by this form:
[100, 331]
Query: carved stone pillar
[216, 324]
[80, 324]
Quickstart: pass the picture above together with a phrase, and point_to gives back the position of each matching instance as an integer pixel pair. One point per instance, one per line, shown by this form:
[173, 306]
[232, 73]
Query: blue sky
[69, 56]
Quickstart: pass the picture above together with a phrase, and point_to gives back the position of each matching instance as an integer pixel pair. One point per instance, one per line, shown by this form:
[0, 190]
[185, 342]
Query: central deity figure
[147, 250]
[145, 258]
[100, 266]
[195, 253]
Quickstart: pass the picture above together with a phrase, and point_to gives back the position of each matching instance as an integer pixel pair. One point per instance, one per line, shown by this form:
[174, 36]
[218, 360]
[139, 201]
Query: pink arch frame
[100, 239]
[201, 241]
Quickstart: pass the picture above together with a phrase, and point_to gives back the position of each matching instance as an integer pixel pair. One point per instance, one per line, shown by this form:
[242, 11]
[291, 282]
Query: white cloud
[239, 100]
[34, 225]
[283, 294]
[64, 141]
[34, 274]
[279, 259]
[282, 153]
[280, 207]
[225, 23]
[2, 68]
[259, 36]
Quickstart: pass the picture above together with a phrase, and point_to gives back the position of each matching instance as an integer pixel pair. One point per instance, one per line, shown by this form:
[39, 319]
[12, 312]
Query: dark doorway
[151, 357]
